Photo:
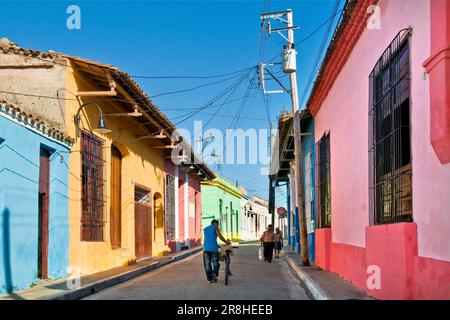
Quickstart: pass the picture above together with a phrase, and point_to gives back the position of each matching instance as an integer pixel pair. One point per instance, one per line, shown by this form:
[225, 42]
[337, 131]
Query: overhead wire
[320, 53]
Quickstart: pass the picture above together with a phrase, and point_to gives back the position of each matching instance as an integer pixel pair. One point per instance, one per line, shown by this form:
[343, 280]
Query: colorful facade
[221, 200]
[286, 172]
[380, 106]
[34, 219]
[183, 206]
[116, 180]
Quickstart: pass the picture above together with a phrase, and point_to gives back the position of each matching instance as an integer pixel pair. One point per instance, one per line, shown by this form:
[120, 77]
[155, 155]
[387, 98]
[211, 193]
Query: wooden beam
[170, 146]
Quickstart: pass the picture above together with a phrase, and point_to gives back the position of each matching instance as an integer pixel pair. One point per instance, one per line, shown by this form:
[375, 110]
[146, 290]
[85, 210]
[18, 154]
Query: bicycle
[227, 266]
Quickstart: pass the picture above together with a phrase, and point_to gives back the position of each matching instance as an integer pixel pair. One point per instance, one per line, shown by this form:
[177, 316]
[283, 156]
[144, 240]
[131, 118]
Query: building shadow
[6, 250]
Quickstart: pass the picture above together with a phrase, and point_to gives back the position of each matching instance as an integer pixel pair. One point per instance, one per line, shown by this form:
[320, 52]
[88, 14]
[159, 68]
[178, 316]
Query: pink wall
[349, 145]
[181, 222]
[438, 68]
[195, 223]
[194, 191]
[413, 257]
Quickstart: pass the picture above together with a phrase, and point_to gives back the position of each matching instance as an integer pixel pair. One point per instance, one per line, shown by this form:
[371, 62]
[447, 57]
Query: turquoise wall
[19, 182]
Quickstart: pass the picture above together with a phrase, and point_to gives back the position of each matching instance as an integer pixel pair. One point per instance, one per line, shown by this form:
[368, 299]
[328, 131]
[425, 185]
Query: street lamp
[101, 127]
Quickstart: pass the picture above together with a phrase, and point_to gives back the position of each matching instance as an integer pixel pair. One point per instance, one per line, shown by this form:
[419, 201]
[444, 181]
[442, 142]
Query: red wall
[322, 248]
[393, 248]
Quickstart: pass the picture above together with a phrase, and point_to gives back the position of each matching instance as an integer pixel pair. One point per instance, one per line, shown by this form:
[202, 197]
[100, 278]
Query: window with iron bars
[323, 181]
[92, 184]
[391, 138]
[170, 208]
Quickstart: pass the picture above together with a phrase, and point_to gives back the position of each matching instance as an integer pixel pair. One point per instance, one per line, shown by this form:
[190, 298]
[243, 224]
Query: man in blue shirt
[211, 250]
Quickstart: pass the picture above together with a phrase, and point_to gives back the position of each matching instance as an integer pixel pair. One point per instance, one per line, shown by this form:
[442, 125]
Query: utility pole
[304, 256]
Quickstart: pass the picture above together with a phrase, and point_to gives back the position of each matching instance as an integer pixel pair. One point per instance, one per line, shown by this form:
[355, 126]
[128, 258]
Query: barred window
[324, 181]
[391, 140]
[170, 207]
[92, 183]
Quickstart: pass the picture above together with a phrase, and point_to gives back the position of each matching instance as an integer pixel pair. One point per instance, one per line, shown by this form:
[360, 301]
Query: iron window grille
[92, 184]
[170, 207]
[391, 138]
[323, 181]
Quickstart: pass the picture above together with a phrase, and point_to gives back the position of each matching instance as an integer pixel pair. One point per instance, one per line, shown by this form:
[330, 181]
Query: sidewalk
[58, 290]
[324, 285]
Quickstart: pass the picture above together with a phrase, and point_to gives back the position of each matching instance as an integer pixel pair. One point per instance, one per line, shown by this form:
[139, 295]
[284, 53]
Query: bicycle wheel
[227, 270]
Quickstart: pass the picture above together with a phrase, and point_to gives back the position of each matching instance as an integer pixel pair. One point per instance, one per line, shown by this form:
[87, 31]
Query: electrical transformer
[289, 60]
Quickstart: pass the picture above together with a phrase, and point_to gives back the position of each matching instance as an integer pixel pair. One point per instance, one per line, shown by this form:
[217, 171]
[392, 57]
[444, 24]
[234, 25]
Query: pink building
[381, 107]
[183, 216]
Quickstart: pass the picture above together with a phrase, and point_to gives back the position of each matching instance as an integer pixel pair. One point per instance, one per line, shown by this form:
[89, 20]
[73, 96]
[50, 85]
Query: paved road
[252, 279]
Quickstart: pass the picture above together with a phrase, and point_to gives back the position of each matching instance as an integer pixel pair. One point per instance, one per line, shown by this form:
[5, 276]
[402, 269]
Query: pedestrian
[211, 250]
[278, 242]
[267, 241]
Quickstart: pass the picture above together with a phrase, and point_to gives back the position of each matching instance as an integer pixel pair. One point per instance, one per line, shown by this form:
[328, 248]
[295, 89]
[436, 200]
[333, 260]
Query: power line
[319, 53]
[189, 77]
[311, 34]
[193, 88]
[318, 28]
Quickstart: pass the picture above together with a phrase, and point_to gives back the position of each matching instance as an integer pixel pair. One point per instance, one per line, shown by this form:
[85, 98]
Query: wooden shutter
[116, 197]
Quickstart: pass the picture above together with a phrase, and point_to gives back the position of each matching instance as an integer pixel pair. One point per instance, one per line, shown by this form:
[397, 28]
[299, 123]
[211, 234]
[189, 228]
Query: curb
[314, 289]
[122, 277]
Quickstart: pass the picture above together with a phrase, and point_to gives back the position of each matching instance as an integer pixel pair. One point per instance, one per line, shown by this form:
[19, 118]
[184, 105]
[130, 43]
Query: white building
[245, 218]
[254, 216]
[259, 215]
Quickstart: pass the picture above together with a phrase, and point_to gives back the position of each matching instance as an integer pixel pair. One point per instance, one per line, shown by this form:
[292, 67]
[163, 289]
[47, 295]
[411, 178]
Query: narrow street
[252, 279]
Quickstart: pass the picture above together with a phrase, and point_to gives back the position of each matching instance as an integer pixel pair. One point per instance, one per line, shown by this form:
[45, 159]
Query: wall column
[177, 221]
[438, 68]
[186, 209]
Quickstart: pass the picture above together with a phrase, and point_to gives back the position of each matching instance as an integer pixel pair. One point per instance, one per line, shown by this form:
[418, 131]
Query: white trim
[177, 222]
[34, 130]
[186, 209]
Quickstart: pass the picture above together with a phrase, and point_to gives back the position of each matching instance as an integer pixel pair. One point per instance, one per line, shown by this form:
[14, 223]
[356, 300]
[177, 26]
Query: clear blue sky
[181, 38]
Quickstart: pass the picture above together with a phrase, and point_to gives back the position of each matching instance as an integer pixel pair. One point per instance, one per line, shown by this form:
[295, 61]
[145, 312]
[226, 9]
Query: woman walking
[267, 241]
[278, 242]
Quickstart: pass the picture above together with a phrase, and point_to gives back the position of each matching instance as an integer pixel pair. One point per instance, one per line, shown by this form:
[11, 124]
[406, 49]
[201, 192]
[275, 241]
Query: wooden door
[143, 223]
[116, 197]
[43, 212]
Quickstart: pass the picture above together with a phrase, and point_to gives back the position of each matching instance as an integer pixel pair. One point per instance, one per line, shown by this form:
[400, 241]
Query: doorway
[43, 212]
[143, 222]
[116, 197]
[158, 211]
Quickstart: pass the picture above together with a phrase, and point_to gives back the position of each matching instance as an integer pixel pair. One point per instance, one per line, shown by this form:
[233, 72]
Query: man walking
[211, 250]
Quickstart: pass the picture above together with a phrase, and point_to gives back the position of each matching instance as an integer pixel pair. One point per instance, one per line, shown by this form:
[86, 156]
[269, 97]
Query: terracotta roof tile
[28, 119]
[8, 46]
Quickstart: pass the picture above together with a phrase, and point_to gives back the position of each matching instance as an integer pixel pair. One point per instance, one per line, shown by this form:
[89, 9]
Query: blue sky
[181, 38]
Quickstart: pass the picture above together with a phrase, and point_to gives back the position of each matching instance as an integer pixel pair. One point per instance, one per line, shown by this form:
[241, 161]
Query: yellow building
[116, 164]
[133, 154]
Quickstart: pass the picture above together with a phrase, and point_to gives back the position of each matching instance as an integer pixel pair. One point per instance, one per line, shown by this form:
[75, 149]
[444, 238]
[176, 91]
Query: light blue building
[34, 223]
[284, 173]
